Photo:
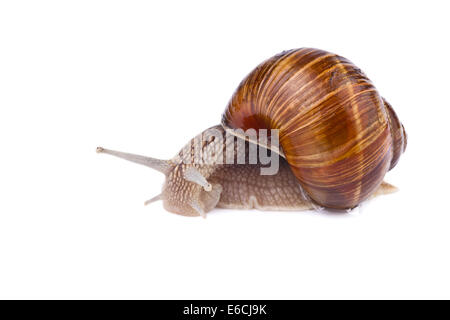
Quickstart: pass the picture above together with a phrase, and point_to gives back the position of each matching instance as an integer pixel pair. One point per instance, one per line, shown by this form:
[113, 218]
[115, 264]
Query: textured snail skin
[338, 134]
[234, 186]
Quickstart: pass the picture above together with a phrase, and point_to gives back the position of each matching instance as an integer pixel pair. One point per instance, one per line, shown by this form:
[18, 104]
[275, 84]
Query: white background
[145, 77]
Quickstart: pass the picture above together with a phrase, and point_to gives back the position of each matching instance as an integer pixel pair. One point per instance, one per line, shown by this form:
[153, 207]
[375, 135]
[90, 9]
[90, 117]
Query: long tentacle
[157, 164]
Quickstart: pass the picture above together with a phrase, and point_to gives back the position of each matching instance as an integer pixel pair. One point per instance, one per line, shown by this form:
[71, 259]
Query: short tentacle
[193, 175]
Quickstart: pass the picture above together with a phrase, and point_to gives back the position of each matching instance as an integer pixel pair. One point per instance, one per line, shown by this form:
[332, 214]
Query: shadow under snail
[337, 139]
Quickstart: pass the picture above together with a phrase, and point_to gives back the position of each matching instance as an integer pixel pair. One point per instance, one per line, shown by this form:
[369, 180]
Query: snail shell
[338, 135]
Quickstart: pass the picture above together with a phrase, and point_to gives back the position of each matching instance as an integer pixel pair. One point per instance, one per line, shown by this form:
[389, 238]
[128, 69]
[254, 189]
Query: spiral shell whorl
[398, 135]
[335, 130]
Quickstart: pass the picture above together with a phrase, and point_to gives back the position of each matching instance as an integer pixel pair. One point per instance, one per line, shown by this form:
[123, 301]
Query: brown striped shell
[339, 136]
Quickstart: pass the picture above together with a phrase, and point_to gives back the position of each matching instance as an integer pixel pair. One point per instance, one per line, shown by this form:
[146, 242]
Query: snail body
[192, 188]
[338, 138]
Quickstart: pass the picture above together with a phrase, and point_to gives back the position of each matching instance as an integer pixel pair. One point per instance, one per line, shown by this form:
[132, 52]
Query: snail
[331, 134]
